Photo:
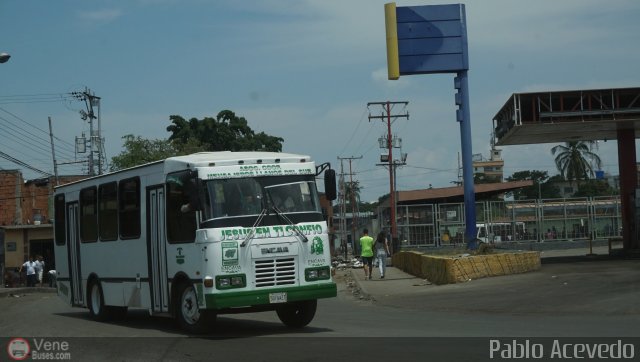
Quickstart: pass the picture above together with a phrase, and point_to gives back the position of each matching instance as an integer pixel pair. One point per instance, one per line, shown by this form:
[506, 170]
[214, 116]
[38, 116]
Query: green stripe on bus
[258, 297]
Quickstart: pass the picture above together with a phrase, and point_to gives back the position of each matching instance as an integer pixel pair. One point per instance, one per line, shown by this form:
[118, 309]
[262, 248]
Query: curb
[361, 290]
[7, 292]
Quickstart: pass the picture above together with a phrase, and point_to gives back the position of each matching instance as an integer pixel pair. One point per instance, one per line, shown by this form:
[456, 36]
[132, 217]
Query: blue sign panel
[432, 39]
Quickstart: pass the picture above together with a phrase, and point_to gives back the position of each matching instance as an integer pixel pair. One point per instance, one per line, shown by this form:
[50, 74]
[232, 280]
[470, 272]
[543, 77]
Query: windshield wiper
[282, 215]
[303, 238]
[253, 228]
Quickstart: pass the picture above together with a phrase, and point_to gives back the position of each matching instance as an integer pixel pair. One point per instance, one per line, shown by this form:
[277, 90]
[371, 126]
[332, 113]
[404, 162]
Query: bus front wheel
[297, 314]
[188, 314]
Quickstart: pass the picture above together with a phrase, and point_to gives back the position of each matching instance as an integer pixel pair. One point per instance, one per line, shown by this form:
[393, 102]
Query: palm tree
[575, 160]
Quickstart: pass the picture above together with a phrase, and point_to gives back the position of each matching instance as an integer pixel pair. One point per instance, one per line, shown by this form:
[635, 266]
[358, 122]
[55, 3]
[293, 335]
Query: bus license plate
[278, 297]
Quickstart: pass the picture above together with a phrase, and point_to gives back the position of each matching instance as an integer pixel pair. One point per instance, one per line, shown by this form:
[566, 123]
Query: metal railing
[509, 221]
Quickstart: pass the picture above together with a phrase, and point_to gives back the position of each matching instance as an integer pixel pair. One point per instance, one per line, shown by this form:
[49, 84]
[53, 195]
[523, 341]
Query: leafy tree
[226, 132]
[542, 185]
[574, 160]
[382, 198]
[368, 207]
[138, 151]
[362, 207]
[480, 178]
[594, 188]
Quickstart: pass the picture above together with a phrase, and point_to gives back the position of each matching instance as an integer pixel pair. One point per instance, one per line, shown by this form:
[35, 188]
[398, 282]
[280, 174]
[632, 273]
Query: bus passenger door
[157, 249]
[73, 242]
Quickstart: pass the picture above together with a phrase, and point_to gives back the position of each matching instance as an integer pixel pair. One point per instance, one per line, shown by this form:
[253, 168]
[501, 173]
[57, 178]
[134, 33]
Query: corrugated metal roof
[456, 191]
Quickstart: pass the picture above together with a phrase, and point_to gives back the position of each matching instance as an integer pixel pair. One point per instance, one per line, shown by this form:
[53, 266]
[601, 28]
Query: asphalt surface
[570, 282]
[572, 296]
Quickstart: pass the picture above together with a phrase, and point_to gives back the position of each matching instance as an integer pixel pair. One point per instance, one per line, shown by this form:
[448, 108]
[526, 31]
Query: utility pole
[354, 218]
[354, 205]
[96, 142]
[387, 106]
[53, 154]
[343, 208]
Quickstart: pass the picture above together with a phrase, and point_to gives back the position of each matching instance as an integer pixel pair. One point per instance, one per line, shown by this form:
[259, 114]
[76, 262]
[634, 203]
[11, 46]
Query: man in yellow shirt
[366, 247]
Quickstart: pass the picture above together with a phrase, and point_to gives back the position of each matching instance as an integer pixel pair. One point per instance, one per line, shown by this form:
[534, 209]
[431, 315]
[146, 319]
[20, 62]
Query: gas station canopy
[564, 116]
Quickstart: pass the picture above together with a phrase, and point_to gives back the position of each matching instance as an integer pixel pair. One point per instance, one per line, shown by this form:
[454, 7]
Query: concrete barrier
[454, 269]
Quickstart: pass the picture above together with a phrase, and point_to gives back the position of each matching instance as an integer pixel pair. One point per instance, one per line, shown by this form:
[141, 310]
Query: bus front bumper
[262, 297]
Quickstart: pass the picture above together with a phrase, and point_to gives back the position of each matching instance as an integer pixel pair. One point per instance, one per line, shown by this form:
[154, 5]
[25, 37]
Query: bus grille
[274, 272]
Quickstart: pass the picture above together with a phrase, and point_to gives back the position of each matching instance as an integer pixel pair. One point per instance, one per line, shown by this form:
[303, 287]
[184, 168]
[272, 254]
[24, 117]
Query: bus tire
[297, 314]
[188, 315]
[95, 301]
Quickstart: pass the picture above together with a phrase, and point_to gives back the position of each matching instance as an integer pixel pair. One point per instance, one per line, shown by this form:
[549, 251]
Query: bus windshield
[249, 196]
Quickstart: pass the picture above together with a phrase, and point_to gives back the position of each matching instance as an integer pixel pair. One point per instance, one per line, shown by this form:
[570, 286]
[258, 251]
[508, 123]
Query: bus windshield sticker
[229, 253]
[316, 246]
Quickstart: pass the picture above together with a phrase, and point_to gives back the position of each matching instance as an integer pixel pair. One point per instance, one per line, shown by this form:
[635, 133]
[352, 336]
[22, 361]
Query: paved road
[587, 299]
[584, 289]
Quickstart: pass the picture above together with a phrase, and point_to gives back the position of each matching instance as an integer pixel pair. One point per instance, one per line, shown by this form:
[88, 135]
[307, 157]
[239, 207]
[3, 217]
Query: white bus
[196, 236]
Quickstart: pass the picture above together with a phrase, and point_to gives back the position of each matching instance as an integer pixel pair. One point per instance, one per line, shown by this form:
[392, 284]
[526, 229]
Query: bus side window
[129, 208]
[59, 219]
[108, 211]
[88, 215]
[181, 219]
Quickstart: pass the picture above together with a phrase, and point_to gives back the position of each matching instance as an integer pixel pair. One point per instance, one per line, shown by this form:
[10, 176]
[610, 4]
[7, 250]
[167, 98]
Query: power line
[18, 162]
[19, 134]
[355, 131]
[37, 128]
[35, 98]
[32, 141]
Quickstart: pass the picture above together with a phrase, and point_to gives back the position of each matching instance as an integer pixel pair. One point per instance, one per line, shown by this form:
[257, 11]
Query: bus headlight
[231, 281]
[324, 273]
[313, 274]
[237, 281]
[223, 283]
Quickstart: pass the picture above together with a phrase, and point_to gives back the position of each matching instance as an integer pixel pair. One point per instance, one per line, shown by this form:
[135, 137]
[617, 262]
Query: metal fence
[503, 221]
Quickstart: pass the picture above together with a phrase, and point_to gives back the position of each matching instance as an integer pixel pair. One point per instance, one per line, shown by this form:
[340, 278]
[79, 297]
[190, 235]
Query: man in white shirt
[30, 267]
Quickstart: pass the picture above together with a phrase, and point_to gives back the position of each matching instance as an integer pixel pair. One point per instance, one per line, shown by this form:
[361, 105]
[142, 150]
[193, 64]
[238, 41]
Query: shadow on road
[225, 327]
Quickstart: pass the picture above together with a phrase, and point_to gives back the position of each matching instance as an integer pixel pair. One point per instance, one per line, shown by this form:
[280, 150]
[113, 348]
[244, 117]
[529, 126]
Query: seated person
[289, 205]
[251, 205]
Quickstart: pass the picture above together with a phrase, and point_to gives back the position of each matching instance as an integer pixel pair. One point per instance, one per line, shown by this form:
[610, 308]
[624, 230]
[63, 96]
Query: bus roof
[225, 158]
[228, 158]
[210, 159]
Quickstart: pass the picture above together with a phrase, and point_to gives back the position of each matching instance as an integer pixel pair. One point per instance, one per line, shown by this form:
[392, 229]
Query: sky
[302, 70]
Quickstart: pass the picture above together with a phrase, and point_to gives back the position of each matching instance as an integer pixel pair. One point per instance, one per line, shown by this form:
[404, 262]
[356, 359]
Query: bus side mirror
[330, 184]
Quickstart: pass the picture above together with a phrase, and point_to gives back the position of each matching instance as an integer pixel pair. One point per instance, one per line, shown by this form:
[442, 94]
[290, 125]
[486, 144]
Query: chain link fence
[545, 220]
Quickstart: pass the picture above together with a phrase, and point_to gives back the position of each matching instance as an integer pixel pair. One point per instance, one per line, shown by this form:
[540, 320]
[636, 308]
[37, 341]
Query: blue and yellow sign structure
[432, 39]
